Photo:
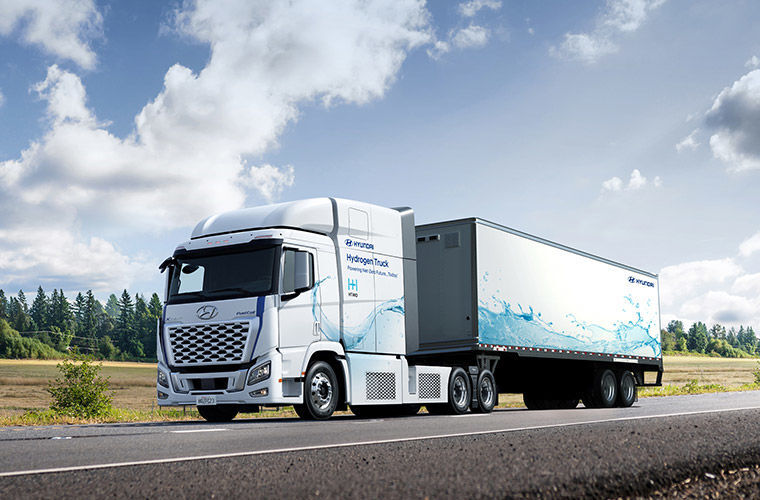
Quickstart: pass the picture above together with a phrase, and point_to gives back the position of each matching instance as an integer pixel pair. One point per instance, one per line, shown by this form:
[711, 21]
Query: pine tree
[731, 337]
[697, 337]
[4, 313]
[40, 310]
[718, 332]
[79, 310]
[112, 306]
[125, 326]
[89, 316]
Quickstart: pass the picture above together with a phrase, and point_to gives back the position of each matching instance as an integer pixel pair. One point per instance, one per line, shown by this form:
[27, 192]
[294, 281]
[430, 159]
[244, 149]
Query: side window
[297, 271]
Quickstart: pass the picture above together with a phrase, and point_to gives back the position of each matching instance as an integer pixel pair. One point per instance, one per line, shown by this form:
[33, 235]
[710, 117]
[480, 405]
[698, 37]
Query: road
[511, 452]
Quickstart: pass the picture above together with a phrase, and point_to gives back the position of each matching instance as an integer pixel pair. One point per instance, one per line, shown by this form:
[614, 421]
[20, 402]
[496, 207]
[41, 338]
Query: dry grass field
[23, 382]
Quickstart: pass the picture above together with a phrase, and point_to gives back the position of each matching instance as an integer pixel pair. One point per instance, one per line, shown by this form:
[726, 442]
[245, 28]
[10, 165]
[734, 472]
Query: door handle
[316, 328]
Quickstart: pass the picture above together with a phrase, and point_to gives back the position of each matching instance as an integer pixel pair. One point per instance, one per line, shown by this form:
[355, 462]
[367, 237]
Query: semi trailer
[328, 304]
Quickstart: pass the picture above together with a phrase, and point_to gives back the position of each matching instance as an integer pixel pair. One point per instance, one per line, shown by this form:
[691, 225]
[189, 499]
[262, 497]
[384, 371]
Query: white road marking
[61, 437]
[470, 415]
[360, 443]
[198, 430]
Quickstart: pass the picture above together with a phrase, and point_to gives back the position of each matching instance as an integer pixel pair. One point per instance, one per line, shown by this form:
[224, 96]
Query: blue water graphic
[383, 314]
[501, 324]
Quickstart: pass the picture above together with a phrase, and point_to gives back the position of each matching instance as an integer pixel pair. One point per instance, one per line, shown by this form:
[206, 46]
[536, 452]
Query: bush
[79, 391]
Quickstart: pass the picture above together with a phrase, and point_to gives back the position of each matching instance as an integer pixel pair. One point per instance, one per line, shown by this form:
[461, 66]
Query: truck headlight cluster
[259, 373]
[163, 380]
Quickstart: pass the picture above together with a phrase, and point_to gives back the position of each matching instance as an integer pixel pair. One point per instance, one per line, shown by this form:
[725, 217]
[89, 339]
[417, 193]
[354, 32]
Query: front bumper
[231, 387]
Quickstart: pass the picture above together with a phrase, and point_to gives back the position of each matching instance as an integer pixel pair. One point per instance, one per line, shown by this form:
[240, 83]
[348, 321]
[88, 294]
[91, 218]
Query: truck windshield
[199, 276]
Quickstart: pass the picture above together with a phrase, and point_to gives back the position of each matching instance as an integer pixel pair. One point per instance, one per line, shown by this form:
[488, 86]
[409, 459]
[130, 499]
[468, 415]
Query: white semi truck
[328, 303]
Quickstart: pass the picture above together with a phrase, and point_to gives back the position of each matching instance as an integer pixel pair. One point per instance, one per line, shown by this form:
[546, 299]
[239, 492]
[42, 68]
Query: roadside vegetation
[25, 399]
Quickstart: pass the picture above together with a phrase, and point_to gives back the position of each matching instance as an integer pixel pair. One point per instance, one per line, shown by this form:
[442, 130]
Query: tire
[321, 392]
[604, 390]
[486, 392]
[460, 394]
[301, 411]
[626, 389]
[218, 413]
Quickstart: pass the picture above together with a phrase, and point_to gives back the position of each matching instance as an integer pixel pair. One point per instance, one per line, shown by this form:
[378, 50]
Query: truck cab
[308, 303]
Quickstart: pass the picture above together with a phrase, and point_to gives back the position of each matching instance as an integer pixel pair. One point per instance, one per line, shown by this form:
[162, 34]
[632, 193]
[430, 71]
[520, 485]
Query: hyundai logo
[206, 312]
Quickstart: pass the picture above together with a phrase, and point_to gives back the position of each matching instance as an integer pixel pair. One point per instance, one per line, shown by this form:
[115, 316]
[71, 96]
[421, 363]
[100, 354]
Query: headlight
[163, 379]
[259, 373]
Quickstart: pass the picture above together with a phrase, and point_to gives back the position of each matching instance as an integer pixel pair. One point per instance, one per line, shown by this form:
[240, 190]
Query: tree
[3, 306]
[79, 310]
[125, 326]
[718, 332]
[40, 310]
[17, 314]
[731, 337]
[112, 306]
[668, 340]
[697, 337]
[60, 312]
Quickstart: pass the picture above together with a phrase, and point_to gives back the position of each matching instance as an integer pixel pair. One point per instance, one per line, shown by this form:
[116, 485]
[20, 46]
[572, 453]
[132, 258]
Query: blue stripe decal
[259, 314]
[161, 335]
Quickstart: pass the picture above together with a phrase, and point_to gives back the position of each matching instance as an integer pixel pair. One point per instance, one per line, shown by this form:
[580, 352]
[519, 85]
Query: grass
[24, 400]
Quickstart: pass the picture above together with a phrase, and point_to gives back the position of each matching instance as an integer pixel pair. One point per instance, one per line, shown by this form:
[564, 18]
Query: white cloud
[189, 153]
[635, 182]
[470, 37]
[60, 27]
[713, 291]
[614, 184]
[752, 63]
[735, 115]
[618, 16]
[438, 49]
[750, 246]
[471, 8]
[689, 142]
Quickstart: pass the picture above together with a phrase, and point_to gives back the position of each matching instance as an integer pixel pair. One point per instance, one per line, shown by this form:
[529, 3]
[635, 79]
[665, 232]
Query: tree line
[123, 328]
[716, 341]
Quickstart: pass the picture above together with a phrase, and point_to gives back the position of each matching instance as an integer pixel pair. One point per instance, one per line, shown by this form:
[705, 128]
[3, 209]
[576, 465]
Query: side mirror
[304, 274]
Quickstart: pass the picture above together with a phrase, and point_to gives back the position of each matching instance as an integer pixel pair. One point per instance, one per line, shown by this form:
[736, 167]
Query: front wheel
[321, 392]
[218, 413]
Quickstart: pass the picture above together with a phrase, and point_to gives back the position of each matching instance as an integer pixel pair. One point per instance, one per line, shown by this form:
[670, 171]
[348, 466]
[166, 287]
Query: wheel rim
[486, 391]
[321, 391]
[628, 388]
[460, 392]
[608, 387]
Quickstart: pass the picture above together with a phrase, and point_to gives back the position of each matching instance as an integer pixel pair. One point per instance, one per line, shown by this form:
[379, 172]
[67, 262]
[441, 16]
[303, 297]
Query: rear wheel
[486, 392]
[603, 392]
[626, 389]
[320, 392]
[218, 413]
[459, 392]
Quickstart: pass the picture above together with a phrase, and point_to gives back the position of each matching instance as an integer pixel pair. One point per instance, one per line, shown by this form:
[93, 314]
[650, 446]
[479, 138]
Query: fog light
[162, 379]
[162, 395]
[259, 373]
[258, 393]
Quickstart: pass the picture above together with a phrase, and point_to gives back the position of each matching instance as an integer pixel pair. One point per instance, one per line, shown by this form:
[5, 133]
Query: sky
[626, 128]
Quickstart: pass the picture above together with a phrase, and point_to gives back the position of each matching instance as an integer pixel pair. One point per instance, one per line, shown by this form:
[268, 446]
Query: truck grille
[209, 342]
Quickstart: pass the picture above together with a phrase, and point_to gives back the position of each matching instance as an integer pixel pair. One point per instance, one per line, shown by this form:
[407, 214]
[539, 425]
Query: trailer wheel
[603, 391]
[626, 389]
[218, 413]
[486, 392]
[321, 392]
[459, 392]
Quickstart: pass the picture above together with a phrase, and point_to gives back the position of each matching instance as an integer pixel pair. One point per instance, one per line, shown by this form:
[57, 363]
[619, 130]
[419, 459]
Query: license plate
[205, 400]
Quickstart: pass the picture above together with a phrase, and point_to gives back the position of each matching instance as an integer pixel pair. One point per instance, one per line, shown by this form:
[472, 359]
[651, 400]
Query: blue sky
[626, 128]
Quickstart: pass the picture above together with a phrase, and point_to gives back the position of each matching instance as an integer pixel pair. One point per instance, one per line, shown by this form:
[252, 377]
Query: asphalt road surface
[514, 452]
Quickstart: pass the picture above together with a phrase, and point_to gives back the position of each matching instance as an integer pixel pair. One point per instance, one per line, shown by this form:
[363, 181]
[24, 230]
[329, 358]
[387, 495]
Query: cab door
[299, 307]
